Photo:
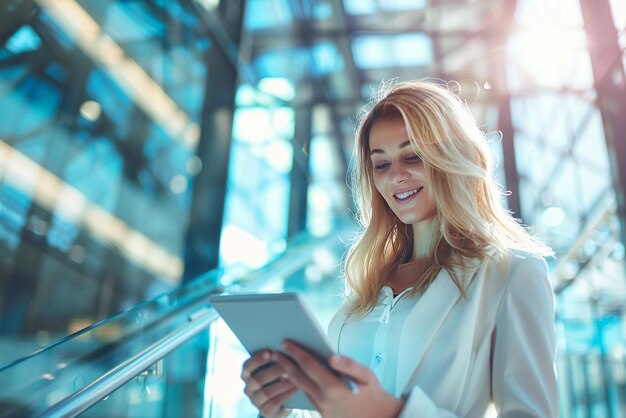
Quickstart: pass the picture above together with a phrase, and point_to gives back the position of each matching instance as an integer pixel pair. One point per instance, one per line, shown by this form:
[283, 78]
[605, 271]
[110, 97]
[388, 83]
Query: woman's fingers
[318, 372]
[299, 378]
[263, 379]
[266, 382]
[269, 392]
[260, 370]
[273, 407]
[352, 369]
[269, 374]
[254, 362]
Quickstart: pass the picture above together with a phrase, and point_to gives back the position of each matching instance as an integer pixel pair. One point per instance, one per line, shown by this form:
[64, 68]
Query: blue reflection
[403, 50]
[14, 206]
[327, 59]
[295, 63]
[265, 14]
[292, 63]
[358, 7]
[31, 105]
[131, 21]
[114, 101]
[62, 233]
[25, 39]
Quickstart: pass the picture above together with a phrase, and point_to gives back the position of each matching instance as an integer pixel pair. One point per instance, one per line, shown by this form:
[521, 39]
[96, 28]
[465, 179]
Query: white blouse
[374, 340]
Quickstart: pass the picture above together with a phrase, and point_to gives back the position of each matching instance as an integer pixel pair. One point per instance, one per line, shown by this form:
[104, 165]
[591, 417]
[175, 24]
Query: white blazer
[459, 355]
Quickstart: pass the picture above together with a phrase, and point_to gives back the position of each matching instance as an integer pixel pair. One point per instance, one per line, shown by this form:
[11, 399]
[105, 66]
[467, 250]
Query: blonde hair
[470, 219]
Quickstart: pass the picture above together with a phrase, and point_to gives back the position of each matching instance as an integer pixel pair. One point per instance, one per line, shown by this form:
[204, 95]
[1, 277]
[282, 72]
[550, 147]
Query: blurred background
[150, 146]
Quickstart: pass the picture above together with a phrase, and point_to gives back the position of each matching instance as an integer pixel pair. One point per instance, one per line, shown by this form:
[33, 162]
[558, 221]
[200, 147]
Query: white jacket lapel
[422, 323]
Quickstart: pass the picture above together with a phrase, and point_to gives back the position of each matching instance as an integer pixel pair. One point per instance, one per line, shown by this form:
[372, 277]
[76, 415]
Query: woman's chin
[413, 219]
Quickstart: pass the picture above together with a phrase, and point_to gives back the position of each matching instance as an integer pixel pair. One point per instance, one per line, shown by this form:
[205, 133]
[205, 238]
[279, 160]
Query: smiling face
[399, 174]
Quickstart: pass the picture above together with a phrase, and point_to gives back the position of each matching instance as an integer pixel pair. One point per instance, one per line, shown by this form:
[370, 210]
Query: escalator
[170, 356]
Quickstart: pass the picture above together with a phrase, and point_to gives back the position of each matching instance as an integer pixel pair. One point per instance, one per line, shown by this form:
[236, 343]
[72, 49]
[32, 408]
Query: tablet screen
[264, 321]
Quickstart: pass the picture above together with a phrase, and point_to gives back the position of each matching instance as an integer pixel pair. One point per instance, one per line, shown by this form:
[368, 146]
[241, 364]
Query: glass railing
[167, 356]
[591, 359]
[36, 382]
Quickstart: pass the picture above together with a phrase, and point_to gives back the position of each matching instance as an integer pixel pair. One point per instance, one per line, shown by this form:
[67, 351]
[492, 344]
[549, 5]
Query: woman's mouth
[402, 197]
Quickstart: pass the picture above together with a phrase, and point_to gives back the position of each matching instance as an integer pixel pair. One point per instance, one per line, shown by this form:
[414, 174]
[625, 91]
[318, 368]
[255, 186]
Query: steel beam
[209, 192]
[300, 173]
[610, 86]
[500, 35]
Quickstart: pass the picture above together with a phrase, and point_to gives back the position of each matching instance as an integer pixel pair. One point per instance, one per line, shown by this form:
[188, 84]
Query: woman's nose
[399, 174]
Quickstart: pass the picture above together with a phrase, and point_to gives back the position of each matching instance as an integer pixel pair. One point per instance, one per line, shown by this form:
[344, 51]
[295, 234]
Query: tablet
[262, 321]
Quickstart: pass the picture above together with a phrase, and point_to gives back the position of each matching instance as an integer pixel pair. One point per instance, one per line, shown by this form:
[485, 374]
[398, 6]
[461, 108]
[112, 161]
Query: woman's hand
[266, 384]
[330, 394]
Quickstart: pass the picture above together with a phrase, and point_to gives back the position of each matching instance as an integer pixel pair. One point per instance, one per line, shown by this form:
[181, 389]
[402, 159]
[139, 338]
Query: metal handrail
[115, 378]
[199, 320]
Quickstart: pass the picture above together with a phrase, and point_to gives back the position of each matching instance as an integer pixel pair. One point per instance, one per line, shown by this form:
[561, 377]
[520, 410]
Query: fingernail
[267, 355]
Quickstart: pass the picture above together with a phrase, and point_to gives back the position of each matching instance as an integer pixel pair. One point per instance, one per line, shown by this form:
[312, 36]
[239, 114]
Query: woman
[449, 308]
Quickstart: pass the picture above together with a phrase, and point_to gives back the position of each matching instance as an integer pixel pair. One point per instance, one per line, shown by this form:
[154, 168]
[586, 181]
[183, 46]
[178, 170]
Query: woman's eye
[413, 158]
[381, 166]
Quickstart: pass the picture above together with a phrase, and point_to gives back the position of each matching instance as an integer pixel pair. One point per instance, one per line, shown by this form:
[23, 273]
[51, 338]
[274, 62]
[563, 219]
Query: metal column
[501, 31]
[300, 172]
[207, 209]
[610, 86]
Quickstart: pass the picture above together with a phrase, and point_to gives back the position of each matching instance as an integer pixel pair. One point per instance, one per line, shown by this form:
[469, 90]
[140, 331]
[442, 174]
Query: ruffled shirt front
[374, 339]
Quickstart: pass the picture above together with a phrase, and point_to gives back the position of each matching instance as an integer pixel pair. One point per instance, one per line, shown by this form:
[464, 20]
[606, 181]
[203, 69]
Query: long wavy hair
[470, 220]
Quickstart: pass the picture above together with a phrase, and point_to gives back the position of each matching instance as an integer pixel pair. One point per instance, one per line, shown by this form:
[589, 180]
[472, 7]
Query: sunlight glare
[553, 57]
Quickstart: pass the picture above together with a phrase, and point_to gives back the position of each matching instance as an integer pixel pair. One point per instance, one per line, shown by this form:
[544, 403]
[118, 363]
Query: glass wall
[101, 110]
